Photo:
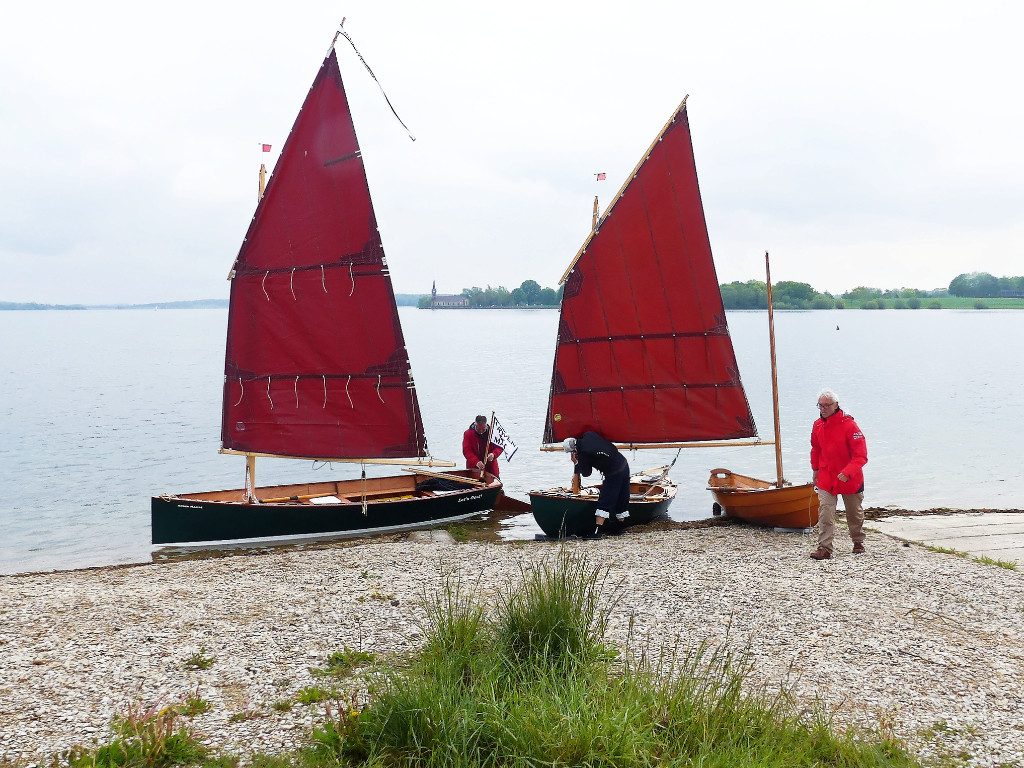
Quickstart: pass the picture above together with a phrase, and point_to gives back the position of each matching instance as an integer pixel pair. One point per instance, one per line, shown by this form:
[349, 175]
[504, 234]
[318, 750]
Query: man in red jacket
[478, 452]
[838, 455]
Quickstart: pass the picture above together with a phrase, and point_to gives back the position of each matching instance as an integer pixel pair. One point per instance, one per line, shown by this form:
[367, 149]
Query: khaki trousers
[827, 517]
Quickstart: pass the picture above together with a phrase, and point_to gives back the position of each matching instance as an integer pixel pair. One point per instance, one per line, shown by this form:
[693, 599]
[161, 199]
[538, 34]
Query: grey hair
[569, 445]
[829, 395]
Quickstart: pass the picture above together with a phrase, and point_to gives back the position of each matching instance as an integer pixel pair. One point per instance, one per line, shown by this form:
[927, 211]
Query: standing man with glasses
[838, 455]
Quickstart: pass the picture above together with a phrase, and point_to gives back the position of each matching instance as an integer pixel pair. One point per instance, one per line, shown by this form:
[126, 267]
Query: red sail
[316, 364]
[644, 353]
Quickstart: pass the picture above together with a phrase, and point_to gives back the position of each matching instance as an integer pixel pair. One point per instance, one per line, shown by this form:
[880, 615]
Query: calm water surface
[102, 409]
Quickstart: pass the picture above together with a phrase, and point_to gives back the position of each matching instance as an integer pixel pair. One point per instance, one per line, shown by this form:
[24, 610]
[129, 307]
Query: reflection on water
[103, 409]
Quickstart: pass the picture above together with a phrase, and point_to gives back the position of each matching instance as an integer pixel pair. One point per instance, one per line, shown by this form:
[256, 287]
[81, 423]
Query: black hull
[191, 520]
[560, 514]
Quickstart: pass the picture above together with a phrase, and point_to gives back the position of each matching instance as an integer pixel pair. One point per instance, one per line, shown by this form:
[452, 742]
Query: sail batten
[316, 364]
[643, 353]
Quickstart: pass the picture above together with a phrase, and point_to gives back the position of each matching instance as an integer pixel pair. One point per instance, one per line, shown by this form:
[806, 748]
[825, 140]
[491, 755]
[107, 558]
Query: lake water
[103, 409]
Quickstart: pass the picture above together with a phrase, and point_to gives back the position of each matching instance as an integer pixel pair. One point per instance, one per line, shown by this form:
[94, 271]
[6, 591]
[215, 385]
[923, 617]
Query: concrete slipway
[998, 535]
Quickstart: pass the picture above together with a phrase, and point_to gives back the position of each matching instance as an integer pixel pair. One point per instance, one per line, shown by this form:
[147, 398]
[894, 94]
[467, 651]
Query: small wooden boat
[316, 366]
[643, 354]
[322, 510]
[780, 504]
[561, 513]
[764, 503]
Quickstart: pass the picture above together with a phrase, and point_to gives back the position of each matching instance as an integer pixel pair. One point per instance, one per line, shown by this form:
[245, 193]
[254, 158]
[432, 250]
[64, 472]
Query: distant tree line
[529, 294]
[787, 294]
[982, 285]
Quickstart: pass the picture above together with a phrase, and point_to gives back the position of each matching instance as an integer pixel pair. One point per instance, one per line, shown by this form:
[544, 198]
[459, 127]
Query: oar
[445, 476]
[303, 497]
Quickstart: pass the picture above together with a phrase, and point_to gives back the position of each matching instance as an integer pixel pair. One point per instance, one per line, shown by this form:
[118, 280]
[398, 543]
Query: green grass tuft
[459, 533]
[144, 737]
[193, 704]
[199, 660]
[535, 684]
[1009, 565]
[314, 694]
[945, 550]
[343, 662]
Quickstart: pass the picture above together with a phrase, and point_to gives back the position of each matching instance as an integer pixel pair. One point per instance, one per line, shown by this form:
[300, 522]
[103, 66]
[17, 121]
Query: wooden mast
[775, 375]
[250, 458]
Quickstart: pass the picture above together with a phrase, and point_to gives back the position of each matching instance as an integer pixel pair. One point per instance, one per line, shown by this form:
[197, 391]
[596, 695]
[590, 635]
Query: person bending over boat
[475, 447]
[590, 452]
[838, 455]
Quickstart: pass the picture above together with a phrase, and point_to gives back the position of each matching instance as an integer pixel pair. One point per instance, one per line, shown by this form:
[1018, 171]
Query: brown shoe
[858, 548]
[821, 554]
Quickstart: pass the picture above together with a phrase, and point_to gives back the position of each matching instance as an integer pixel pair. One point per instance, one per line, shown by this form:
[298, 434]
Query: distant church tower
[433, 293]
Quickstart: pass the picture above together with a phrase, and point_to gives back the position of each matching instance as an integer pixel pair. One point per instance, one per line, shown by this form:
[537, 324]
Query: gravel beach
[924, 645]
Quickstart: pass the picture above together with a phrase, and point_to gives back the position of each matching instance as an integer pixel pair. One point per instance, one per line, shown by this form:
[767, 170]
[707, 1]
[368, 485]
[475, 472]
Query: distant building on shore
[446, 302]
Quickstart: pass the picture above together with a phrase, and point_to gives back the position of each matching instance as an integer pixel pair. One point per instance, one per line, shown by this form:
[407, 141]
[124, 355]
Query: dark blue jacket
[594, 452]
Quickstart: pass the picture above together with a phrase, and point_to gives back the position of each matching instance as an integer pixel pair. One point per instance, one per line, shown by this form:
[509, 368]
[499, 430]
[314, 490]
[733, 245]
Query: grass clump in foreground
[144, 737]
[535, 684]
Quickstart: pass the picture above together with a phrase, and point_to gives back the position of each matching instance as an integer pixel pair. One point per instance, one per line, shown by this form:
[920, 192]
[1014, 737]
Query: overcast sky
[873, 143]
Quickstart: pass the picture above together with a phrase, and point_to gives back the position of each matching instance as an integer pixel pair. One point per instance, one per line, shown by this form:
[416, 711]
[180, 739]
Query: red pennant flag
[600, 176]
[266, 147]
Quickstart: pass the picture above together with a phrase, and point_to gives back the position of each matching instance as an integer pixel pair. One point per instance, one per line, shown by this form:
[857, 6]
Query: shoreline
[487, 529]
[923, 645]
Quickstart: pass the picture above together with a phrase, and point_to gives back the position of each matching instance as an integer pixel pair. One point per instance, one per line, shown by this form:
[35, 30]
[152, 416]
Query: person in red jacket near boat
[480, 454]
[590, 452]
[838, 455]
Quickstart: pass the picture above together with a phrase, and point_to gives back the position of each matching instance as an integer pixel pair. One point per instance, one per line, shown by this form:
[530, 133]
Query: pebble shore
[923, 645]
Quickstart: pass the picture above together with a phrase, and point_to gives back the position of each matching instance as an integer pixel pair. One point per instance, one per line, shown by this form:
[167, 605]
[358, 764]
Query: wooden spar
[775, 375]
[263, 187]
[250, 477]
[335, 460]
[622, 189]
[645, 446]
[445, 476]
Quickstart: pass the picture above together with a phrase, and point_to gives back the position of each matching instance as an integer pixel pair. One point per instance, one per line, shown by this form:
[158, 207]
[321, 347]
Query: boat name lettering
[471, 498]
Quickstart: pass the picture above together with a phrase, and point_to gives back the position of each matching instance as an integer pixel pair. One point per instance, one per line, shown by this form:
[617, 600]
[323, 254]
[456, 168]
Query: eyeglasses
[822, 406]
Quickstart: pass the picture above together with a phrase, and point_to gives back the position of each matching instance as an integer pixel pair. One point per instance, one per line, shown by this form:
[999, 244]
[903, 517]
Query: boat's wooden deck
[376, 489]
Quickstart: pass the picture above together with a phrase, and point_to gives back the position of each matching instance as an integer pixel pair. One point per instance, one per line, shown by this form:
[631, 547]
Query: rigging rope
[342, 32]
[663, 475]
